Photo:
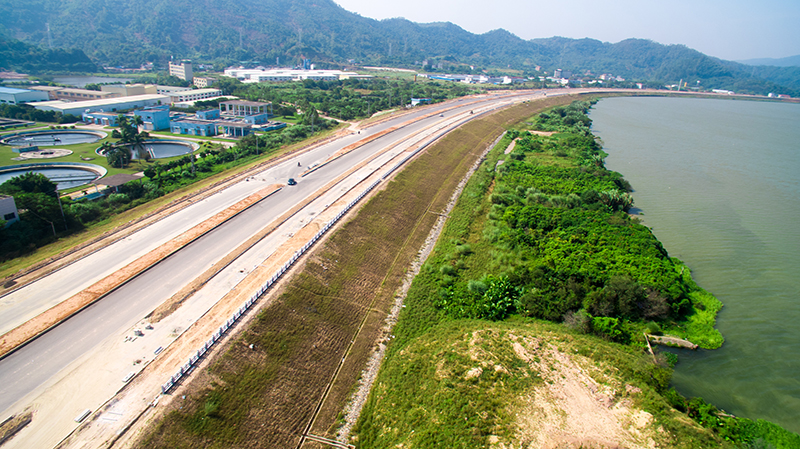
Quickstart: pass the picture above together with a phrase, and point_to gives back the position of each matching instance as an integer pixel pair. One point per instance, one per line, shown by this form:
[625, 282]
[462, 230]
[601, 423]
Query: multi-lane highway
[44, 359]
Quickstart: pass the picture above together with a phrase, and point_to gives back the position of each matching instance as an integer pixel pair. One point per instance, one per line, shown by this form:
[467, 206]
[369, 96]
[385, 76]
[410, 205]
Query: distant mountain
[267, 31]
[789, 61]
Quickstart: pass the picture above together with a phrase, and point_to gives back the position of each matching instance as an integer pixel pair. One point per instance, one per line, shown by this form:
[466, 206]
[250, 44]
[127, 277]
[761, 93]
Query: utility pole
[62, 211]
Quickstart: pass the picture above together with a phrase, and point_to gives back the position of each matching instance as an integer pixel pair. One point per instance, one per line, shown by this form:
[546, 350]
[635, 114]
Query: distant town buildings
[262, 75]
[475, 79]
[558, 73]
[182, 70]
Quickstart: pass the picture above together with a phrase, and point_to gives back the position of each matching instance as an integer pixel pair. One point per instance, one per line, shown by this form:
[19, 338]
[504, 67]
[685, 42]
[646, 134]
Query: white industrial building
[169, 90]
[129, 90]
[203, 82]
[107, 105]
[194, 95]
[9, 95]
[262, 75]
[182, 70]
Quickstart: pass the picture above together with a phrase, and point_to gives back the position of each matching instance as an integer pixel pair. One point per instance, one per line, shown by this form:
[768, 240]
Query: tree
[310, 114]
[118, 156]
[499, 298]
[29, 182]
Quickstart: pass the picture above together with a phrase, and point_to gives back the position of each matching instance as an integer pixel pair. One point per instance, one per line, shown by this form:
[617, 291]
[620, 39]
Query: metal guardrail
[225, 327]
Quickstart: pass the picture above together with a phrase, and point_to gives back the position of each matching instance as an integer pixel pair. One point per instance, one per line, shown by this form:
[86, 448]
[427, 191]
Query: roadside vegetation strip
[355, 403]
[262, 396]
[53, 316]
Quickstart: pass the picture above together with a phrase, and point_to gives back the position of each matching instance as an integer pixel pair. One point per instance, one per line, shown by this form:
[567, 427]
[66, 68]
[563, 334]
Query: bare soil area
[572, 409]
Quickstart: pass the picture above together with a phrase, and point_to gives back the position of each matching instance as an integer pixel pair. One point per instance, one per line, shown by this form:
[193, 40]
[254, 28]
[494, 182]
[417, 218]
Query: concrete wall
[8, 209]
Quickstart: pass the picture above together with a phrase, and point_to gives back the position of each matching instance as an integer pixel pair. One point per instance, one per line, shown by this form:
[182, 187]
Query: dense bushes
[556, 232]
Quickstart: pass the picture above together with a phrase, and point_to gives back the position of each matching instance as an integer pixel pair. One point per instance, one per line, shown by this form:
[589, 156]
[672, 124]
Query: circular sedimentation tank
[51, 138]
[65, 174]
[160, 149]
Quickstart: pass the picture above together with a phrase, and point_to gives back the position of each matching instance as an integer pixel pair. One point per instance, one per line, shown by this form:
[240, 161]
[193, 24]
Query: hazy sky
[727, 29]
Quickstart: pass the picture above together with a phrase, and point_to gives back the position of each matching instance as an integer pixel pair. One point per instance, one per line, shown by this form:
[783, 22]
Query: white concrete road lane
[27, 302]
[32, 365]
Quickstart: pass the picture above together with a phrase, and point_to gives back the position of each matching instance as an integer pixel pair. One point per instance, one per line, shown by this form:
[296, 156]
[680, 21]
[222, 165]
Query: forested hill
[229, 31]
[24, 57]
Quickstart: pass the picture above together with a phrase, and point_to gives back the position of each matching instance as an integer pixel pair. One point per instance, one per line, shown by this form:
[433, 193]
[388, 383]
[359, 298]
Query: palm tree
[137, 144]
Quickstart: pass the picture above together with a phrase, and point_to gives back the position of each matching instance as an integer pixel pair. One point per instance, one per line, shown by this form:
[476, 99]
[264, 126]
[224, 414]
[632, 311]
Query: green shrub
[609, 328]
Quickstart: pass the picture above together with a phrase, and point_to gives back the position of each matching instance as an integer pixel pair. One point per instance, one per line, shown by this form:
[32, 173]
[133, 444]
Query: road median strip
[34, 327]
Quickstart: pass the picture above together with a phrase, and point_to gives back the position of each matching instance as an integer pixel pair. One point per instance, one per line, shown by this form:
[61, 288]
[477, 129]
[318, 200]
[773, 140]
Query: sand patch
[571, 409]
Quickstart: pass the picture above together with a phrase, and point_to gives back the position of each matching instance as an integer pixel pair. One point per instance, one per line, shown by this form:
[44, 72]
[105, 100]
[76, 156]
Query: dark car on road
[291, 182]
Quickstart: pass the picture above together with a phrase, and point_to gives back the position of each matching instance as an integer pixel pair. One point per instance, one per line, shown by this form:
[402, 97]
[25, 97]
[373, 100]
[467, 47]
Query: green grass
[426, 395]
[699, 325]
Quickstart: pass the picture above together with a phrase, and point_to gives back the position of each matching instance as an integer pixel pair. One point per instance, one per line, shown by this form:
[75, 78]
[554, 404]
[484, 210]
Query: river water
[718, 181]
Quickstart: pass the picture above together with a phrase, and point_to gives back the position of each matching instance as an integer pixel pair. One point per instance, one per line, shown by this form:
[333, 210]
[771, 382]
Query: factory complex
[263, 75]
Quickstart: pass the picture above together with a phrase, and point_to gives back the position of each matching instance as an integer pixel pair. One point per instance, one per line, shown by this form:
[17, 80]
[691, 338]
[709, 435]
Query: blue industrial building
[193, 127]
[155, 118]
[211, 114]
[202, 124]
[101, 118]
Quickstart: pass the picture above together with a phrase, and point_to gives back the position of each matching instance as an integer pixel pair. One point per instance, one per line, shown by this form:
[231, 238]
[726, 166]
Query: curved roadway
[32, 365]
